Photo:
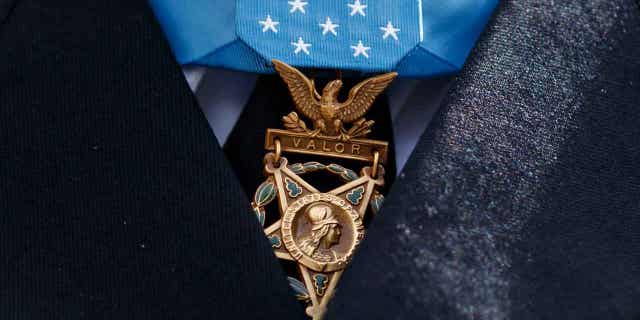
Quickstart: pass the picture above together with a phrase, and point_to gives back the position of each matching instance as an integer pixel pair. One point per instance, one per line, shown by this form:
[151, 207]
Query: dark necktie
[268, 103]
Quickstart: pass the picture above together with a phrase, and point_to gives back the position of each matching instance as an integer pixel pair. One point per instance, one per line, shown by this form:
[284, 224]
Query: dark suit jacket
[522, 200]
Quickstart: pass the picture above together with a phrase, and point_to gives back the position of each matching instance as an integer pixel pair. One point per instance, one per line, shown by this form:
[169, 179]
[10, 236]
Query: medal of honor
[319, 231]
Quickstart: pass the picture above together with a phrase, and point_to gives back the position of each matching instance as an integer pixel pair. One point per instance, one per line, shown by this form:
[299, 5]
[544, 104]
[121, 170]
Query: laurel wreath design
[266, 193]
[292, 122]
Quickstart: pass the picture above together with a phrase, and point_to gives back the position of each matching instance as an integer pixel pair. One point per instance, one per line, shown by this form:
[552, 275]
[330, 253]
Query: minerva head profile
[325, 233]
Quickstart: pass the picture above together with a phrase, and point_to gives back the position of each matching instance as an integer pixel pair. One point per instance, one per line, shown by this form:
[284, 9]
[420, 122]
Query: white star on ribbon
[329, 26]
[269, 24]
[389, 30]
[357, 7]
[298, 5]
[301, 46]
[360, 49]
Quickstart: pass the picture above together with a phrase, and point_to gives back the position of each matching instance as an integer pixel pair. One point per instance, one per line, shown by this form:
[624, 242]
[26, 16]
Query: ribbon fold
[416, 38]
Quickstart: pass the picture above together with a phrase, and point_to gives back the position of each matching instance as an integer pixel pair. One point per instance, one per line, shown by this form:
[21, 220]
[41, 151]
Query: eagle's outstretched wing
[302, 90]
[361, 97]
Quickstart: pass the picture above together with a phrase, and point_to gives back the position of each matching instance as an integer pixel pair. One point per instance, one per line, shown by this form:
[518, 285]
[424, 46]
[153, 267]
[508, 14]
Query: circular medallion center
[321, 231]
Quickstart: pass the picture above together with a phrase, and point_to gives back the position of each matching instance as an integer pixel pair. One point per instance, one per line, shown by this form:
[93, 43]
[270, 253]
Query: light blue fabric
[329, 50]
[435, 36]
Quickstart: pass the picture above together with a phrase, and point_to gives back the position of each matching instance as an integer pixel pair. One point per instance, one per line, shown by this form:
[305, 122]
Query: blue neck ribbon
[416, 38]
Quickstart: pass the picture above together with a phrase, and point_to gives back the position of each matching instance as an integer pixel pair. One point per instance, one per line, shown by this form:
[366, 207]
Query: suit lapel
[517, 202]
[119, 203]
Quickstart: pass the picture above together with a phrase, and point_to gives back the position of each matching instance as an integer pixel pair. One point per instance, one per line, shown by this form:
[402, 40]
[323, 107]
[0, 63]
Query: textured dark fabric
[522, 200]
[5, 8]
[270, 101]
[115, 200]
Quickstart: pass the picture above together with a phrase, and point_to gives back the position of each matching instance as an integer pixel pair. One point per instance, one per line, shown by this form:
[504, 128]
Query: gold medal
[319, 231]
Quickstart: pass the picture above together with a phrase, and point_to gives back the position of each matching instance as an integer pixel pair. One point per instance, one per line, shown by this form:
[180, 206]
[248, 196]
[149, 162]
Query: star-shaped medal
[318, 230]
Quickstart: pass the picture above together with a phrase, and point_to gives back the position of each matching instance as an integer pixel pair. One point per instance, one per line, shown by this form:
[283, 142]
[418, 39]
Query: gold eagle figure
[328, 114]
